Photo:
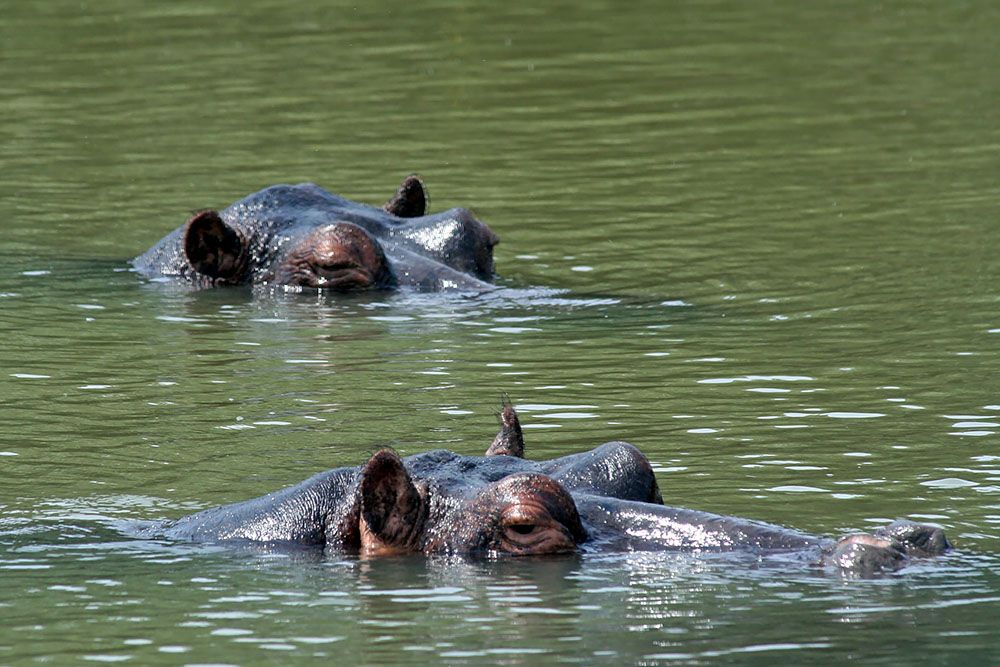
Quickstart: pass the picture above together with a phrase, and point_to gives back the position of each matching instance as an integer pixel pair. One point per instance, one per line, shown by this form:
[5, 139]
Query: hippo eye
[332, 266]
[522, 534]
[536, 516]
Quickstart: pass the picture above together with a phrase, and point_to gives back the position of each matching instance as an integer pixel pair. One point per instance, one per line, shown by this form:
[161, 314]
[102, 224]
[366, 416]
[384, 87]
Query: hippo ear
[212, 247]
[410, 200]
[510, 439]
[392, 509]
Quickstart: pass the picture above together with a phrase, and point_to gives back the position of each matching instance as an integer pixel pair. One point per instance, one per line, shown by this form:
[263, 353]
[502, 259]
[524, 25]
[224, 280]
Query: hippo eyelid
[522, 515]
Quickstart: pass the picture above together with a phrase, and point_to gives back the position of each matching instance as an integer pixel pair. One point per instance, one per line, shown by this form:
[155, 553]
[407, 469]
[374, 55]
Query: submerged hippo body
[439, 502]
[302, 235]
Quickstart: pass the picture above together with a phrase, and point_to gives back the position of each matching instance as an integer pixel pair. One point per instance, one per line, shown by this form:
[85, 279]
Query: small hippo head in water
[304, 236]
[603, 500]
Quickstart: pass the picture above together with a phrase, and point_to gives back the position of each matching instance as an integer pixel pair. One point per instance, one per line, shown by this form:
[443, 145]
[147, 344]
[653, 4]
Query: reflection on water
[661, 607]
[756, 241]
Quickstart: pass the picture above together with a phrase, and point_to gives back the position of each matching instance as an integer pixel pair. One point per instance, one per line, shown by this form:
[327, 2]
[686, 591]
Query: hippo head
[602, 500]
[523, 514]
[340, 255]
[303, 236]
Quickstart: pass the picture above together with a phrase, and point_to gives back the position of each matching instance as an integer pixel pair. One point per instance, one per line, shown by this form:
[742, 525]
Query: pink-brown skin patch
[339, 256]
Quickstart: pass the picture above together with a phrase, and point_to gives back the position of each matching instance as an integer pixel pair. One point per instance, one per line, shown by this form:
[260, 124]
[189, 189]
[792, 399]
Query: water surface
[757, 241]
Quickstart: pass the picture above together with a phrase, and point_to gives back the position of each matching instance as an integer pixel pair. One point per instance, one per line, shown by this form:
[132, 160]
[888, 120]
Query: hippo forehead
[290, 210]
[307, 205]
[297, 198]
[612, 469]
[451, 474]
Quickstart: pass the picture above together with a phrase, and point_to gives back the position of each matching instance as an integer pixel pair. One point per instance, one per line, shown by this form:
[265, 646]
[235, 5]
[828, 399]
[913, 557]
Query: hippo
[303, 236]
[500, 505]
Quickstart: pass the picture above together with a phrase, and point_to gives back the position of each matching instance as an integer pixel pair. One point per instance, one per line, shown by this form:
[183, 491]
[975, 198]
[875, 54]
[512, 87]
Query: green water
[755, 239]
